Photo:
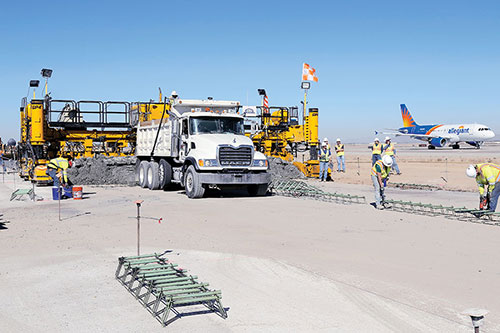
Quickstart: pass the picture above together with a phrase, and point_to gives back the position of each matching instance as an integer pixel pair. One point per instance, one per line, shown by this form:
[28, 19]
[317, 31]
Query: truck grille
[236, 157]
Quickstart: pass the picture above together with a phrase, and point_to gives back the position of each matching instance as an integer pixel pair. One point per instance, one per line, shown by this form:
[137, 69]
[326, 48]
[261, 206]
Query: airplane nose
[490, 134]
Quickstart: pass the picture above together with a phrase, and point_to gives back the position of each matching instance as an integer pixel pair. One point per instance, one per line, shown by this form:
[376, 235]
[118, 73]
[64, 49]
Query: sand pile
[280, 169]
[103, 170]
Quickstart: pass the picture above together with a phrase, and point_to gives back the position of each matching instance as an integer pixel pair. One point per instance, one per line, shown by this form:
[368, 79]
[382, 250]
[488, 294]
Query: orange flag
[309, 73]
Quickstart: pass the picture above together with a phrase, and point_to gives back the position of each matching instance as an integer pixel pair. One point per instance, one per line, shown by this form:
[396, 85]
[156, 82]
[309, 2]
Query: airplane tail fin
[407, 118]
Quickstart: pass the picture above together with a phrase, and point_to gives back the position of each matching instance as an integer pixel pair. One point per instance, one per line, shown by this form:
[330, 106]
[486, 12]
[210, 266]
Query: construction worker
[57, 168]
[380, 173]
[2, 163]
[324, 159]
[325, 141]
[376, 151]
[339, 149]
[391, 151]
[486, 174]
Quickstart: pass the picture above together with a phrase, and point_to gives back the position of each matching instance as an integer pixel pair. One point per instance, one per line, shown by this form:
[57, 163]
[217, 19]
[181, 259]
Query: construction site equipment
[197, 144]
[460, 213]
[19, 193]
[71, 129]
[409, 186]
[138, 204]
[281, 132]
[294, 188]
[162, 287]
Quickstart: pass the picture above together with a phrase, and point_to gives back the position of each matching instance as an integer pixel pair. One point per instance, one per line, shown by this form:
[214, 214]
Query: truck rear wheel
[152, 176]
[142, 174]
[192, 184]
[257, 190]
[164, 173]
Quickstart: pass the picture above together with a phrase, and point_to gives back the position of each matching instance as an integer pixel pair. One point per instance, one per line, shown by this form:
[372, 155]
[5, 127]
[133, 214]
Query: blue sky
[441, 58]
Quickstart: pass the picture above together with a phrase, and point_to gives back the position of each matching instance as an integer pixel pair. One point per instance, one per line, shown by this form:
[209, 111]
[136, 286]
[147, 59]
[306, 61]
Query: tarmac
[283, 264]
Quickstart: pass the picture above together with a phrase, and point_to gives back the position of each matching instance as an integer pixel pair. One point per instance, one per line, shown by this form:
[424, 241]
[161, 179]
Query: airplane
[441, 135]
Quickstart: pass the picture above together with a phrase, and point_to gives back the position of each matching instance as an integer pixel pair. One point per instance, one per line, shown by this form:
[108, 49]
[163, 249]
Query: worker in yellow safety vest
[487, 175]
[376, 151]
[380, 174]
[339, 149]
[390, 150]
[325, 155]
[56, 169]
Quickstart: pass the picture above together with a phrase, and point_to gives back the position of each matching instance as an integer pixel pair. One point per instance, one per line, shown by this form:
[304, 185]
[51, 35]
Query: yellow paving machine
[281, 132]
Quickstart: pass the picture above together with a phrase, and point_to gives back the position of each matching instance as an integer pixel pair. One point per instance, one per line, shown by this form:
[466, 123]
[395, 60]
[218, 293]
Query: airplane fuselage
[441, 135]
[452, 134]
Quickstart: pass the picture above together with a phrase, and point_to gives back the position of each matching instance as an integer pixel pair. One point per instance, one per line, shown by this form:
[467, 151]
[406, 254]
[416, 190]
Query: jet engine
[439, 142]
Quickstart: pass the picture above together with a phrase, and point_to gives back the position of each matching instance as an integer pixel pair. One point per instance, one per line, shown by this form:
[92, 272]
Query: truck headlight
[209, 163]
[260, 163]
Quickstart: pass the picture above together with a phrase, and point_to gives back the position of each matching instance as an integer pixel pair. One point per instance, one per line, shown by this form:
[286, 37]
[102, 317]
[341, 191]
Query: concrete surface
[282, 264]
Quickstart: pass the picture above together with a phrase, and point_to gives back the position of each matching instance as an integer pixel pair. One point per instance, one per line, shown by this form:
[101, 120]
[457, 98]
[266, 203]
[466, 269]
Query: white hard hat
[387, 160]
[174, 93]
[376, 139]
[471, 171]
[387, 138]
[325, 140]
[338, 139]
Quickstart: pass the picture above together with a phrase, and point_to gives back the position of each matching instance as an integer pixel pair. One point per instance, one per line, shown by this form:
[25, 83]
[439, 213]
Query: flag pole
[305, 103]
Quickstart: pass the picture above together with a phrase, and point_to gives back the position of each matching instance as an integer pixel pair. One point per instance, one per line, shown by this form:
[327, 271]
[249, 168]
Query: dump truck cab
[200, 144]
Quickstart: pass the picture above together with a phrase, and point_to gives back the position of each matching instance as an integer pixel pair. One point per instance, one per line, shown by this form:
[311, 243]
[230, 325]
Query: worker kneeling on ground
[57, 168]
[486, 174]
[380, 173]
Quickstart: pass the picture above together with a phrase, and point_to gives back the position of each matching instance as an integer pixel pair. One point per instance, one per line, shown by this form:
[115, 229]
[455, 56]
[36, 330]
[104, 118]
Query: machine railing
[88, 114]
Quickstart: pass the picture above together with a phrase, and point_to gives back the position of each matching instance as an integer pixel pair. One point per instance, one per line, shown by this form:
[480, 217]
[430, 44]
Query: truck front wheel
[164, 173]
[257, 190]
[194, 189]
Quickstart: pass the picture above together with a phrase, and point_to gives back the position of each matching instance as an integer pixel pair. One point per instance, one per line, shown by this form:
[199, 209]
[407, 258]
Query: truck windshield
[211, 125]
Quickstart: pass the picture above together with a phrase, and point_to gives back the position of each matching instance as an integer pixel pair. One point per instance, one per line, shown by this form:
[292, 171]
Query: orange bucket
[77, 192]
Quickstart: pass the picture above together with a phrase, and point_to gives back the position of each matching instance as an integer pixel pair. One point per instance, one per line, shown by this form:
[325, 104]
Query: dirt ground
[283, 264]
[443, 167]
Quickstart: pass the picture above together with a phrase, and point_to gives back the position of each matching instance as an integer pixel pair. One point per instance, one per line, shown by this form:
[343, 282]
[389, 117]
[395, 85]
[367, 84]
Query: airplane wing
[392, 132]
[451, 137]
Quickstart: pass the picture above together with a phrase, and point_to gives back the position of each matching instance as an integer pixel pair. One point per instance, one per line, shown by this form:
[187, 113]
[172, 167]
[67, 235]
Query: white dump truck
[199, 144]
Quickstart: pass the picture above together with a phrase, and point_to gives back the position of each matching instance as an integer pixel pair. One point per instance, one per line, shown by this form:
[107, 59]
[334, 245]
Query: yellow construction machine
[75, 129]
[279, 132]
[71, 129]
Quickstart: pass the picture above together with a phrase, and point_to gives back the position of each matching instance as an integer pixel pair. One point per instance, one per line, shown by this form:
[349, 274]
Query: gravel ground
[121, 170]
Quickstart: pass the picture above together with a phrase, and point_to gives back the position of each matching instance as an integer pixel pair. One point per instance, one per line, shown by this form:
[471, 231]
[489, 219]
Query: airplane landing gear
[455, 146]
[431, 147]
